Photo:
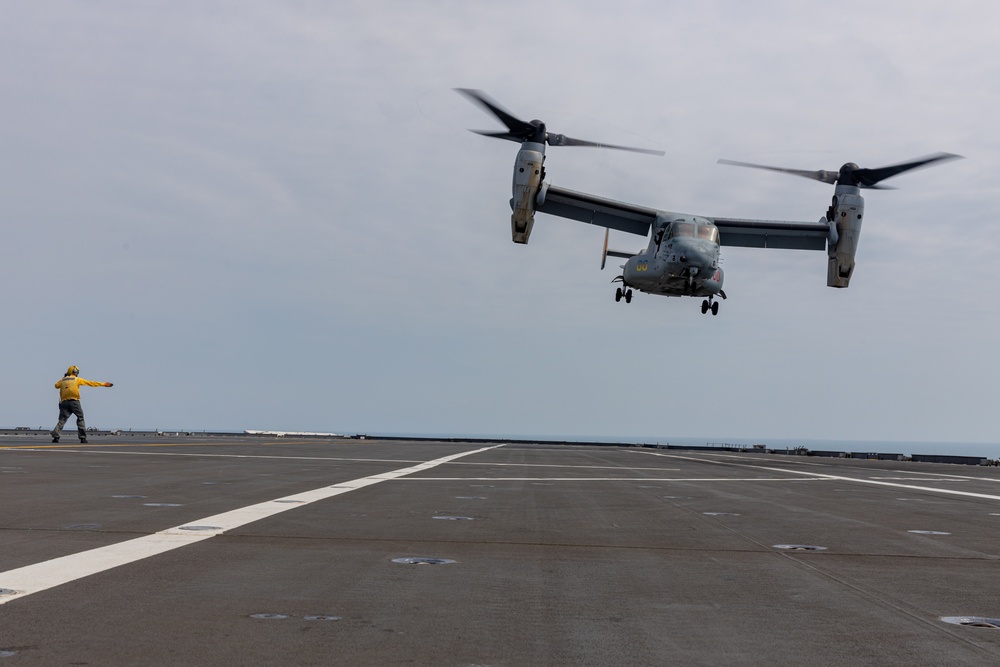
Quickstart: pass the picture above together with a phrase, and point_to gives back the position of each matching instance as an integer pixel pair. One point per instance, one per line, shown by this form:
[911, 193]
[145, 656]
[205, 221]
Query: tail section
[605, 253]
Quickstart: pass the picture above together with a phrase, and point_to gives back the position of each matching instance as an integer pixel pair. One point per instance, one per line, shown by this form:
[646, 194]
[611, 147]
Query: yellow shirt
[69, 387]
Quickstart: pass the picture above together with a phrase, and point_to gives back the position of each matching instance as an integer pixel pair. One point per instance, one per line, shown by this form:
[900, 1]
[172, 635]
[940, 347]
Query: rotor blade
[520, 130]
[822, 175]
[563, 140]
[500, 135]
[869, 177]
[516, 126]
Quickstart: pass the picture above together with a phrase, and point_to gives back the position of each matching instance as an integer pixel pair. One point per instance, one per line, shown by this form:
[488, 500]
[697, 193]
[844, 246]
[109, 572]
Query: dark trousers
[67, 408]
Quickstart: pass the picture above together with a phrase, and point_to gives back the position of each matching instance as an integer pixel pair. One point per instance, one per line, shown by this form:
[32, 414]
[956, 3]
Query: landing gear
[627, 293]
[710, 304]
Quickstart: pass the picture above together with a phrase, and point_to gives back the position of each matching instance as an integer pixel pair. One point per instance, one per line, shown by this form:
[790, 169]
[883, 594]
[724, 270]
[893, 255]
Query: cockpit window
[681, 228]
[709, 233]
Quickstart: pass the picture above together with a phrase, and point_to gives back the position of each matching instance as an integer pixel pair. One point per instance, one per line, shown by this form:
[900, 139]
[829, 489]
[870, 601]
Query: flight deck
[258, 550]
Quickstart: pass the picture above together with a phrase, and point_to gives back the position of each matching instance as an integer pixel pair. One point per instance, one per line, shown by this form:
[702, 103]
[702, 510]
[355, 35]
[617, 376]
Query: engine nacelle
[846, 215]
[527, 181]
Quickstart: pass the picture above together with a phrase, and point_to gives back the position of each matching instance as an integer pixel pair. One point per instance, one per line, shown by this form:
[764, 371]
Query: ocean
[984, 449]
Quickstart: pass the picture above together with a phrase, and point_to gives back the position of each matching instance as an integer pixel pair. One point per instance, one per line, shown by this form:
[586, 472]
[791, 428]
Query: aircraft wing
[772, 234]
[595, 210]
[634, 219]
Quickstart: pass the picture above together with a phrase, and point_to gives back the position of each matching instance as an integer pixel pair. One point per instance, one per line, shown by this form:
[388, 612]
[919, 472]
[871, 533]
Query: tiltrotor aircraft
[682, 256]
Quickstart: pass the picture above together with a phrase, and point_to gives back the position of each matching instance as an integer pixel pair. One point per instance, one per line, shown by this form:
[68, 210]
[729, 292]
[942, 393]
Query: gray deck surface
[562, 555]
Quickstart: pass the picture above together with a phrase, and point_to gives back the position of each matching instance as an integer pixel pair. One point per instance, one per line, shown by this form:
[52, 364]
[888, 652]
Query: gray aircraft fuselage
[682, 259]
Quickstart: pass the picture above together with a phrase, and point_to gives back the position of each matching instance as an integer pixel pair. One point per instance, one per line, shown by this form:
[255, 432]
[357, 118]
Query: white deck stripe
[906, 472]
[616, 479]
[30, 579]
[912, 487]
[841, 478]
[306, 458]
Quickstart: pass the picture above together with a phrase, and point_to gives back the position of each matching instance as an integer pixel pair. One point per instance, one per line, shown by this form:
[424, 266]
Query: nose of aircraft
[696, 256]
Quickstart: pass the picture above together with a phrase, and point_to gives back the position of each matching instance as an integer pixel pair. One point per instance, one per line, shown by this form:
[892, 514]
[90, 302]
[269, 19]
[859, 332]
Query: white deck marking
[912, 487]
[840, 478]
[923, 479]
[23, 581]
[827, 465]
[279, 457]
[617, 479]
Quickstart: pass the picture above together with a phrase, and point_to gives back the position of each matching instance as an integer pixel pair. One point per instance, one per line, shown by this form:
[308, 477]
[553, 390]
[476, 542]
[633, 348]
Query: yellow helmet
[73, 370]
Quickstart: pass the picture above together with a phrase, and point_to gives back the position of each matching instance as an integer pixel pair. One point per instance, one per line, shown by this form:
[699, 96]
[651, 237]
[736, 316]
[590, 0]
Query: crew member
[69, 401]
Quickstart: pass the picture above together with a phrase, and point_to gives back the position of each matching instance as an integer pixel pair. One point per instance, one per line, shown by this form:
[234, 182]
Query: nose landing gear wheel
[715, 308]
[704, 307]
[628, 296]
[618, 295]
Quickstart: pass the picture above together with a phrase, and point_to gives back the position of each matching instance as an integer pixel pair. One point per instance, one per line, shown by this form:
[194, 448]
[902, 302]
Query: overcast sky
[262, 215]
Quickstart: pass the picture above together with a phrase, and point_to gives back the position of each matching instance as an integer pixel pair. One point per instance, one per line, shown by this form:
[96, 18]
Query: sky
[260, 215]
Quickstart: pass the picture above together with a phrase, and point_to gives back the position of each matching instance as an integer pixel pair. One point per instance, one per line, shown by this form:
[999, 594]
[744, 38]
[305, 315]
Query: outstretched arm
[91, 383]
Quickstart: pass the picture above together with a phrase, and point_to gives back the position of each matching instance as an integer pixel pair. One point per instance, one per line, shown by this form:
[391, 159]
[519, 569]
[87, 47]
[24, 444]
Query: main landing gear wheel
[619, 293]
